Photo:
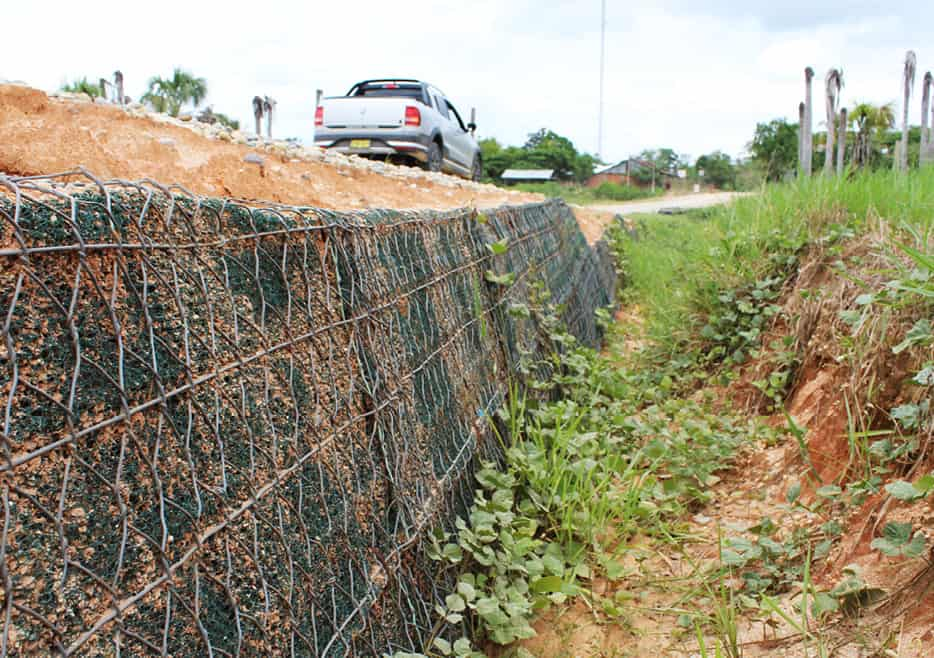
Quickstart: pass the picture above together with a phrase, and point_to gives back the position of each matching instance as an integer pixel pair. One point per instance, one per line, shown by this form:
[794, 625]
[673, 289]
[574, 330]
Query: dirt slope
[662, 580]
[42, 135]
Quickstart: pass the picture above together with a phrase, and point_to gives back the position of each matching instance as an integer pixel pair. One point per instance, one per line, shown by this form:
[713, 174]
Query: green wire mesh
[227, 425]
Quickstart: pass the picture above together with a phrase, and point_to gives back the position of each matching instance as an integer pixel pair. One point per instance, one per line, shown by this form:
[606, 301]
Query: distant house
[632, 171]
[528, 175]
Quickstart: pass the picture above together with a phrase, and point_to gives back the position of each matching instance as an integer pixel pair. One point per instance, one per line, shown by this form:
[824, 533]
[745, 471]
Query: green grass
[598, 451]
[607, 446]
[572, 193]
[678, 264]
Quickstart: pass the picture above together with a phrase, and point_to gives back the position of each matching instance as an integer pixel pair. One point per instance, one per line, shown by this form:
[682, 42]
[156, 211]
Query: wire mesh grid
[227, 425]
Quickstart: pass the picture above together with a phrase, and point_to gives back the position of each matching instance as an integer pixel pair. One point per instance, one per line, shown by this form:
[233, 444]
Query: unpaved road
[687, 201]
[593, 219]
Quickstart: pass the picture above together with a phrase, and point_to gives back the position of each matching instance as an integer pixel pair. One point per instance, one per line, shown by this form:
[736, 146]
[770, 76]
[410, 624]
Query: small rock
[254, 158]
[167, 141]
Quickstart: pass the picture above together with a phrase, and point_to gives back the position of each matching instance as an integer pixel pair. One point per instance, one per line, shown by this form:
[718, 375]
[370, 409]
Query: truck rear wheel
[434, 157]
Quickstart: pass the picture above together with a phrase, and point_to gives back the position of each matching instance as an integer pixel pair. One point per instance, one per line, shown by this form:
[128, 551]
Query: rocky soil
[44, 134]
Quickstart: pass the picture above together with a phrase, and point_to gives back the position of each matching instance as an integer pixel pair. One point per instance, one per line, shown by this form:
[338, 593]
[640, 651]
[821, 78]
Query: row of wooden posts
[837, 122]
[265, 107]
[113, 91]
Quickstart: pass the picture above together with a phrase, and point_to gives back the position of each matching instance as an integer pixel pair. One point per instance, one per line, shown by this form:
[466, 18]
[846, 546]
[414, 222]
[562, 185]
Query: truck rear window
[397, 92]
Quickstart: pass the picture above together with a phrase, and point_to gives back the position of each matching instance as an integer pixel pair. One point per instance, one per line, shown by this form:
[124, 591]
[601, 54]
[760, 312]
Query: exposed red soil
[593, 222]
[836, 393]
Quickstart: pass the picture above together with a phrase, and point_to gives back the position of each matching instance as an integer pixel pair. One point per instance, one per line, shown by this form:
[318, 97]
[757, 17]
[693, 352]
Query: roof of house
[618, 168]
[621, 167]
[528, 174]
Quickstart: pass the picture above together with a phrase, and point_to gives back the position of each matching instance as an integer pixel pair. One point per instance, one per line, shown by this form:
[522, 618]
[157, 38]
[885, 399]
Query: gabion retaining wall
[226, 426]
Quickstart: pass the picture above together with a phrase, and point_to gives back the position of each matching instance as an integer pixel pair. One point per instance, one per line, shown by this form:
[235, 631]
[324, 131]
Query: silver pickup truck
[399, 119]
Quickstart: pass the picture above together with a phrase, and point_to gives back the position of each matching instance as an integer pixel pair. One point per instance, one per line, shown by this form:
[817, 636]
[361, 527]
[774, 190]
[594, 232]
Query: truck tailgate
[360, 112]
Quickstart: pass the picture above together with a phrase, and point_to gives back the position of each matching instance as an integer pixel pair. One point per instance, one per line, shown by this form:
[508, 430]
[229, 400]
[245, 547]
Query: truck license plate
[359, 143]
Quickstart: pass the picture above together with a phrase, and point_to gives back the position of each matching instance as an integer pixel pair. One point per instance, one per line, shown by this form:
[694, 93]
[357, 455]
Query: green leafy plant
[82, 86]
[909, 491]
[852, 593]
[578, 460]
[506, 279]
[897, 540]
[735, 325]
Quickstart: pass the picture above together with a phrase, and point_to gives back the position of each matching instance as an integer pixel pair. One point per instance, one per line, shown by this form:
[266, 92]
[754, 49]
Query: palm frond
[82, 86]
[169, 95]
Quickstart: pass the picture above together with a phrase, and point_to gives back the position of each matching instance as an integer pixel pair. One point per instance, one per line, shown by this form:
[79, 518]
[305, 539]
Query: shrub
[618, 192]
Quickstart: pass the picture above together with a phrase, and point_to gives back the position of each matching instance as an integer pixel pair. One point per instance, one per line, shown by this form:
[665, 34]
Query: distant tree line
[546, 149]
[716, 169]
[543, 149]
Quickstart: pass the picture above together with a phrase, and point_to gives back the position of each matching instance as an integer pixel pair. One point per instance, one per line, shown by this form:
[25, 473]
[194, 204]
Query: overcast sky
[693, 76]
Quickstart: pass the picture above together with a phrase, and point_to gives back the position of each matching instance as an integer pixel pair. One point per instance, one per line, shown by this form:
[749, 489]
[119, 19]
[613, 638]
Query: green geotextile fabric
[228, 426]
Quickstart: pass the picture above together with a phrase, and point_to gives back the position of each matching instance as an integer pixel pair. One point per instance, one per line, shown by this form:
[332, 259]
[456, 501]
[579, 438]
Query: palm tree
[833, 82]
[926, 147]
[118, 82]
[801, 139]
[808, 141]
[269, 105]
[168, 95]
[841, 143]
[82, 86]
[868, 119]
[930, 151]
[258, 113]
[908, 78]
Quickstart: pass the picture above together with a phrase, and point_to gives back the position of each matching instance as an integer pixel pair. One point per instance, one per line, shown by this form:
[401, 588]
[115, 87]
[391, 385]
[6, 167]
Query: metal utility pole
[602, 58]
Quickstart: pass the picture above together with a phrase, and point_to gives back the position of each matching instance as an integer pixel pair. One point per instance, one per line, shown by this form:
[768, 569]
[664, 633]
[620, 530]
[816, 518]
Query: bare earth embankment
[43, 135]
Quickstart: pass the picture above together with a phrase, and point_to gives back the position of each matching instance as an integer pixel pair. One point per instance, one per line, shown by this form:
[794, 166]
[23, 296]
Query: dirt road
[687, 201]
[594, 219]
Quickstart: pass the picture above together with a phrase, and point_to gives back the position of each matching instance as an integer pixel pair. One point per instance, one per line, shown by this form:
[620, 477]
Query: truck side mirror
[472, 127]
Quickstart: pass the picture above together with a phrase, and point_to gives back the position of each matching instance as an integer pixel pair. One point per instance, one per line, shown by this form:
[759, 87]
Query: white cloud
[692, 78]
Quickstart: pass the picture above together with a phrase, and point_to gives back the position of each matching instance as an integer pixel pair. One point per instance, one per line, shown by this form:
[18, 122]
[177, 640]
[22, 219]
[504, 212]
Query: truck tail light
[412, 116]
[319, 116]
